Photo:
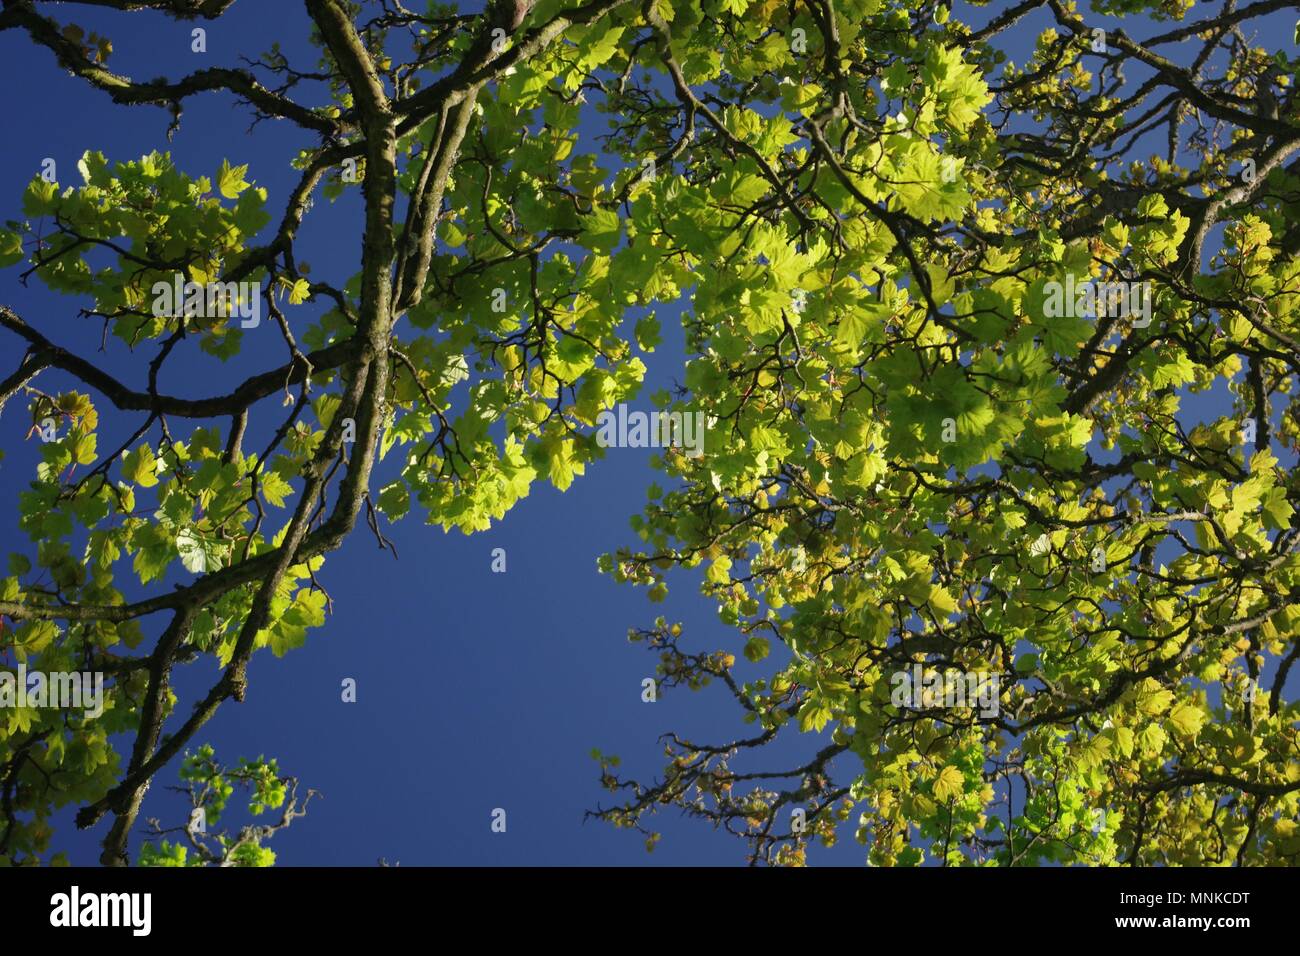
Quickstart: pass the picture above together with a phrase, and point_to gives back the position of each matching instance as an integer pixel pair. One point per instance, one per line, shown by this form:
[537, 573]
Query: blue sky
[475, 690]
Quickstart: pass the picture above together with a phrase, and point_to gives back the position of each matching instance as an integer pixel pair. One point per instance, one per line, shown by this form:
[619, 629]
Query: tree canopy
[948, 318]
[928, 467]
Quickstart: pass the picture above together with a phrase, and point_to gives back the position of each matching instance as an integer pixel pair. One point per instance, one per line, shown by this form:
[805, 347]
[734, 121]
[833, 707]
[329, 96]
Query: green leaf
[230, 179]
[813, 716]
[274, 488]
[1187, 719]
[601, 230]
[11, 248]
[1153, 739]
[949, 784]
[140, 467]
[647, 333]
[1178, 371]
[1277, 510]
[193, 555]
[395, 500]
[862, 322]
[943, 603]
[299, 292]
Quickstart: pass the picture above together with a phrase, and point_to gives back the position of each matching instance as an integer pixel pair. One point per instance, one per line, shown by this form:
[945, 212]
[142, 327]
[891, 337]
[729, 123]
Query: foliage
[209, 786]
[479, 333]
[919, 461]
[914, 456]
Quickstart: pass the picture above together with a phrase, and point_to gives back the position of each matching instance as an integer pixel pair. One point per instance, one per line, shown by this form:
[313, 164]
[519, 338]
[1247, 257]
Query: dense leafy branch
[923, 466]
[922, 456]
[364, 389]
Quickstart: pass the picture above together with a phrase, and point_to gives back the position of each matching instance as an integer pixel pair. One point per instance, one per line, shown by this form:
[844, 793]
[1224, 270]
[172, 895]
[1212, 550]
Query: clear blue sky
[476, 690]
